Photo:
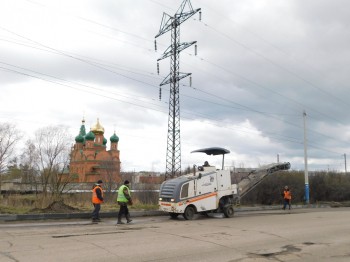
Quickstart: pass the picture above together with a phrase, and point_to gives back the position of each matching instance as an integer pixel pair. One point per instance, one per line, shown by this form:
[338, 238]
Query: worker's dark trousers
[123, 210]
[286, 203]
[96, 212]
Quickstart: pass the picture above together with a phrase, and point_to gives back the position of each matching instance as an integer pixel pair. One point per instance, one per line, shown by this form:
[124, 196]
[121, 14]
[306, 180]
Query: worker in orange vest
[97, 199]
[287, 198]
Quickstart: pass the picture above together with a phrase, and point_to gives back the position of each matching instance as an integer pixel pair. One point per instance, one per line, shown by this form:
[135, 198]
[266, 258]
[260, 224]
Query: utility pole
[345, 163]
[305, 161]
[172, 23]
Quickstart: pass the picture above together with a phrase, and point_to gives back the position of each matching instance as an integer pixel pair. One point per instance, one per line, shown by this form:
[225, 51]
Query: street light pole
[307, 200]
[345, 163]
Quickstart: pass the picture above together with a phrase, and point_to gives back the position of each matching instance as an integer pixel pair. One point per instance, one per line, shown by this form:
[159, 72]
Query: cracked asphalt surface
[315, 234]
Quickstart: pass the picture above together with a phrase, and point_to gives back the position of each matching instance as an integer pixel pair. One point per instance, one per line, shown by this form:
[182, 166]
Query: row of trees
[323, 186]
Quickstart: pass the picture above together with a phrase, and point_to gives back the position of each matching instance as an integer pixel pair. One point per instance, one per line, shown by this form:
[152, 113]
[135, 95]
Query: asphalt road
[308, 234]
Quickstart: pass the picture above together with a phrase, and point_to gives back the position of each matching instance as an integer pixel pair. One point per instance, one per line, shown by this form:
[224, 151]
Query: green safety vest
[121, 196]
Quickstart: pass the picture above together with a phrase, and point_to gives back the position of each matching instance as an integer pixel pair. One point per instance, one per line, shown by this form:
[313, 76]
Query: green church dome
[104, 141]
[90, 136]
[114, 138]
[79, 139]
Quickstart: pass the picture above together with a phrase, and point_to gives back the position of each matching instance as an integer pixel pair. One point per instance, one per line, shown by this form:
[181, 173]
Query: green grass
[107, 207]
[32, 204]
[145, 207]
[14, 210]
[19, 204]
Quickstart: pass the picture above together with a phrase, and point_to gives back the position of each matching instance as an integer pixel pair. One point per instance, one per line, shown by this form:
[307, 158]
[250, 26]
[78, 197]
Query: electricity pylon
[172, 23]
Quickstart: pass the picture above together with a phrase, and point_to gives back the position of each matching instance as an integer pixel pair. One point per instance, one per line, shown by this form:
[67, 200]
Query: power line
[304, 106]
[214, 122]
[101, 66]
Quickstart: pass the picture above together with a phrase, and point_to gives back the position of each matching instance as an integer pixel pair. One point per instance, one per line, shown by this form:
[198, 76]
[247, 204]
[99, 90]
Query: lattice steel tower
[172, 23]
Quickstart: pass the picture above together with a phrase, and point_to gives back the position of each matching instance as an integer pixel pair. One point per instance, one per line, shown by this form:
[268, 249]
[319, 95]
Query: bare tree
[9, 137]
[30, 166]
[52, 148]
[110, 170]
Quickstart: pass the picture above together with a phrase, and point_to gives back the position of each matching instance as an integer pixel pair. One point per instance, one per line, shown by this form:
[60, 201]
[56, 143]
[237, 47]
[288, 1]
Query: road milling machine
[210, 190]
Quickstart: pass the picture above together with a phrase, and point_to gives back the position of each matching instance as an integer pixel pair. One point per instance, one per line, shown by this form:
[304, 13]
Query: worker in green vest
[124, 199]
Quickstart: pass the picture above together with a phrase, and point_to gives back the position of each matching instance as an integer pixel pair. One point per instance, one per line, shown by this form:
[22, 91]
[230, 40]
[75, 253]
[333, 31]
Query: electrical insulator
[190, 80]
[158, 68]
[160, 93]
[155, 45]
[200, 15]
[195, 49]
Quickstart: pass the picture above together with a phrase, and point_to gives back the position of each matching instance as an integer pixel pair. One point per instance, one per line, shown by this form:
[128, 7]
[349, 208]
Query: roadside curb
[48, 216]
[85, 215]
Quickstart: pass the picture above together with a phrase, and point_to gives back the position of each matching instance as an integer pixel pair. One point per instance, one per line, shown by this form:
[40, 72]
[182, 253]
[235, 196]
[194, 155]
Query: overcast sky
[260, 64]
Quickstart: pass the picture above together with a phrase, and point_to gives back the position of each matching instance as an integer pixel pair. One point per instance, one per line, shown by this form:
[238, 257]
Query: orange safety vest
[287, 194]
[95, 199]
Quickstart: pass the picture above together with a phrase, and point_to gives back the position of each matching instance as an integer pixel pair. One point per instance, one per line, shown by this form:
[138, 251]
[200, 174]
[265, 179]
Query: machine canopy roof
[212, 151]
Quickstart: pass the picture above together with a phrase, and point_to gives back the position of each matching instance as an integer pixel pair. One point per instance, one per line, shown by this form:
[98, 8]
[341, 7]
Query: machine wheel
[189, 213]
[173, 215]
[228, 211]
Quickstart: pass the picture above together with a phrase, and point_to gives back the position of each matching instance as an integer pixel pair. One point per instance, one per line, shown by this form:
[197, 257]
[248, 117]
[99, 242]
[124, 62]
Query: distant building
[147, 178]
[90, 160]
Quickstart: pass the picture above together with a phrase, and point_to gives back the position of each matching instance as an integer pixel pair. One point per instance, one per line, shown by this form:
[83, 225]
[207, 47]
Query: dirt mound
[56, 207]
